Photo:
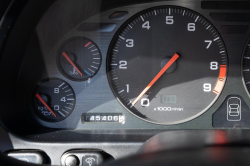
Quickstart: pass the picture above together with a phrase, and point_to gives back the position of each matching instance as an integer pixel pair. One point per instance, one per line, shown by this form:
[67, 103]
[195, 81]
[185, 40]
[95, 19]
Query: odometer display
[167, 65]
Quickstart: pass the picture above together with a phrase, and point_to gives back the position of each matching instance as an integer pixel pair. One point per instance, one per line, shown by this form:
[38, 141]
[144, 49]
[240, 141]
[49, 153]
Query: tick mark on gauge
[196, 18]
[68, 90]
[65, 87]
[246, 70]
[93, 50]
[61, 85]
[247, 57]
[93, 67]
[121, 91]
[90, 70]
[86, 45]
[65, 111]
[155, 12]
[61, 113]
[216, 38]
[130, 26]
[208, 26]
[70, 99]
[91, 46]
[142, 18]
[68, 107]
[87, 72]
[121, 37]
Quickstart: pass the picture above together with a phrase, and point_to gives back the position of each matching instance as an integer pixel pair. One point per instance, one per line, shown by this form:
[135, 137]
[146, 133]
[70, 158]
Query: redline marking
[221, 80]
[86, 45]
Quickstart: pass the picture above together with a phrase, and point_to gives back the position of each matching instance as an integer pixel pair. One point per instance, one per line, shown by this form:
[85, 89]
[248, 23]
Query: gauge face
[54, 100]
[79, 59]
[246, 67]
[167, 65]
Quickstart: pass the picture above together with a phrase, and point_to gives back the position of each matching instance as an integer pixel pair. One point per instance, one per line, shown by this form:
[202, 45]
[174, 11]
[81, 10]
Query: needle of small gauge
[45, 104]
[70, 61]
[170, 62]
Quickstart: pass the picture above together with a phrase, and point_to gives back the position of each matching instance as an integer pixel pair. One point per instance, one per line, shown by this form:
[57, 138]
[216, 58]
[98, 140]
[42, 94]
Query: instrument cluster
[158, 65]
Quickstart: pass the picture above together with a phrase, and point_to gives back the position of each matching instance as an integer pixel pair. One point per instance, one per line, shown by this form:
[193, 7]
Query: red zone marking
[221, 80]
[86, 45]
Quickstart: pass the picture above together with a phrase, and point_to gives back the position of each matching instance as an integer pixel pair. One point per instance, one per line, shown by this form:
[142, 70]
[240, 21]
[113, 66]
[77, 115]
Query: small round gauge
[167, 65]
[246, 67]
[54, 100]
[79, 59]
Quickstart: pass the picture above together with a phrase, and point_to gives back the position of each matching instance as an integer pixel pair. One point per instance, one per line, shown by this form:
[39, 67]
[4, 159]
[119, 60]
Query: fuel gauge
[79, 59]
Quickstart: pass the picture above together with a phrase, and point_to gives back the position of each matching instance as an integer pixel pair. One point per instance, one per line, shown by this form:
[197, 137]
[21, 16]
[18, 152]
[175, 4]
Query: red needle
[70, 61]
[45, 104]
[170, 62]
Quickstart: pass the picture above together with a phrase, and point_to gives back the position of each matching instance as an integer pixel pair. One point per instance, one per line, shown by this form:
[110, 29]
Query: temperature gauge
[54, 100]
[79, 59]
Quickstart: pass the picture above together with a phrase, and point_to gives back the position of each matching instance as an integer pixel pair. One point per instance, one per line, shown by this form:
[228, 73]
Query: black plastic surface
[35, 157]
[4, 5]
[222, 118]
[235, 29]
[226, 5]
[119, 15]
[102, 27]
[211, 156]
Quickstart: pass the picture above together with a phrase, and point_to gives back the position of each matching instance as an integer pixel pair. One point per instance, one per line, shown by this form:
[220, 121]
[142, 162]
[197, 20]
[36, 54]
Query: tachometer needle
[170, 62]
[45, 104]
[70, 61]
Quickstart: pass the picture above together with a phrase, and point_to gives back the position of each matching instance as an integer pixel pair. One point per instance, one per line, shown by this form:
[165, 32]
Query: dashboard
[105, 71]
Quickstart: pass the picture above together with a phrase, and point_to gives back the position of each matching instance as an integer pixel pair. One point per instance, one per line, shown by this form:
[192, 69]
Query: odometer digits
[167, 65]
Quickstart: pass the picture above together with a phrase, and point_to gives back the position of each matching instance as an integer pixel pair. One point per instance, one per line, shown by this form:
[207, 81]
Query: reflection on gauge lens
[79, 59]
[54, 100]
[167, 65]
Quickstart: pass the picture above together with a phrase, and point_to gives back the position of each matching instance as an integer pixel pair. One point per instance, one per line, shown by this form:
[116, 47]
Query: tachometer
[167, 65]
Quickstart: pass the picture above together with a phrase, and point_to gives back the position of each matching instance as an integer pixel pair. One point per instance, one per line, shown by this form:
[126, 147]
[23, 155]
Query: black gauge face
[167, 65]
[54, 100]
[246, 67]
[79, 59]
